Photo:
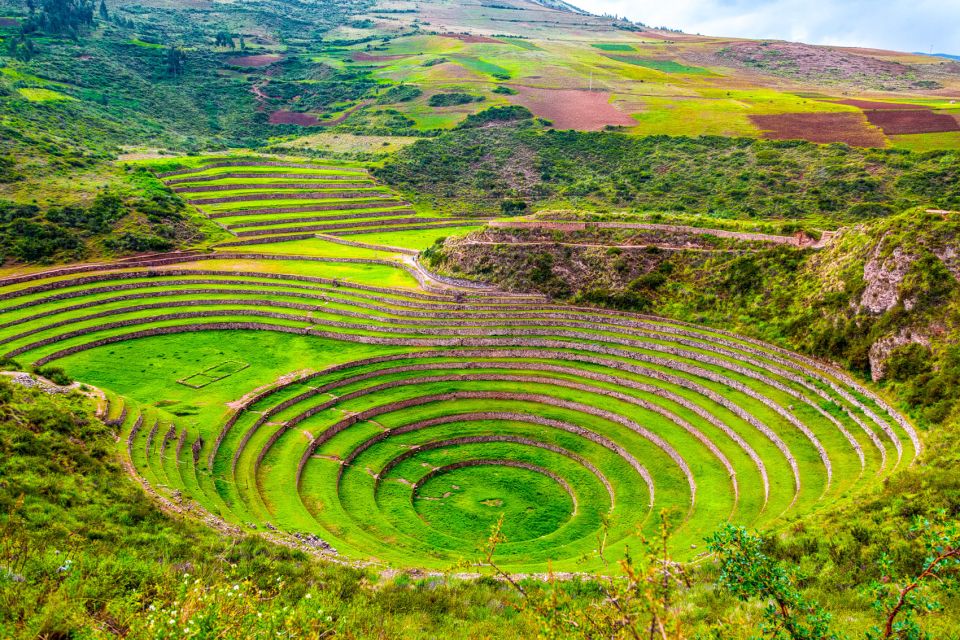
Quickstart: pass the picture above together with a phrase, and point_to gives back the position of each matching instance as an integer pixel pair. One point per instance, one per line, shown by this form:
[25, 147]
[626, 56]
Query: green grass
[480, 65]
[44, 95]
[613, 47]
[522, 43]
[146, 45]
[666, 66]
[420, 239]
[923, 142]
[314, 247]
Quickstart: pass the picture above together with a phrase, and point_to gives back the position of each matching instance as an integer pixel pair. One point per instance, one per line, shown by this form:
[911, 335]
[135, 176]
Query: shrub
[400, 93]
[8, 171]
[496, 114]
[629, 300]
[908, 361]
[513, 207]
[453, 99]
[870, 210]
[135, 242]
[35, 241]
[56, 375]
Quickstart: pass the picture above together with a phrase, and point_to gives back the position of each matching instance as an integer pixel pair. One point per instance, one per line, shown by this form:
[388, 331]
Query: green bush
[513, 207]
[56, 375]
[400, 93]
[908, 361]
[453, 99]
[512, 113]
[741, 178]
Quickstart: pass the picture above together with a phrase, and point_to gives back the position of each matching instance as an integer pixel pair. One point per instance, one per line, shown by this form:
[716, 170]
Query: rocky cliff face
[883, 276]
[881, 349]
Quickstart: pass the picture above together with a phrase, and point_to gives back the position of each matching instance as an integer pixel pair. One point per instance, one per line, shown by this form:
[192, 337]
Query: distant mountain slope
[562, 6]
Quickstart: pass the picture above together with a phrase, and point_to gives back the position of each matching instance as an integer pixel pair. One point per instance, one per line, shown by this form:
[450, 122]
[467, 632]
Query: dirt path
[284, 379]
[799, 240]
[666, 247]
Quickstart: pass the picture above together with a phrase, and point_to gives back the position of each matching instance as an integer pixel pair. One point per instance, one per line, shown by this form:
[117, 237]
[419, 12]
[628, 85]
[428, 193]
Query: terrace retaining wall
[311, 195]
[257, 163]
[350, 216]
[318, 184]
[346, 206]
[247, 176]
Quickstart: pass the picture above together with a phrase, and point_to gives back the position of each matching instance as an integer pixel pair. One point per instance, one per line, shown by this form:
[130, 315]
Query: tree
[27, 50]
[223, 39]
[104, 14]
[901, 600]
[66, 17]
[21, 48]
[750, 574]
[176, 60]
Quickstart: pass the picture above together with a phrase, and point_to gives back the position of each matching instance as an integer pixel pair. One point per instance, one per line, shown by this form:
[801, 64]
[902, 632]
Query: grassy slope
[722, 178]
[69, 507]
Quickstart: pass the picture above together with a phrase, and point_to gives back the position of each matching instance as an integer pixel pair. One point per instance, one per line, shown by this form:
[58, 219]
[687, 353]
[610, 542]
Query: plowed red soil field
[913, 121]
[471, 39]
[253, 61]
[851, 128]
[292, 117]
[572, 108]
[363, 56]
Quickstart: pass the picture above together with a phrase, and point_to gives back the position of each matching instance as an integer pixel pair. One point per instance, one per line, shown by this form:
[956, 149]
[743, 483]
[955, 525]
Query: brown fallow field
[572, 108]
[824, 128]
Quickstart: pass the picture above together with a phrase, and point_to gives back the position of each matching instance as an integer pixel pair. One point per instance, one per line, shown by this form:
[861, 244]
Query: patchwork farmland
[355, 405]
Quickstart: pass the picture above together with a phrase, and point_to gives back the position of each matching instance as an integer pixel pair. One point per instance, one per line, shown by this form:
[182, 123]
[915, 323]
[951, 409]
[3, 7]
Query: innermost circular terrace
[468, 501]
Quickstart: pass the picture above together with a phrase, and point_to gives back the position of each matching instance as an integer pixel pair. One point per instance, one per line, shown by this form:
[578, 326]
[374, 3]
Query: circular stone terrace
[355, 405]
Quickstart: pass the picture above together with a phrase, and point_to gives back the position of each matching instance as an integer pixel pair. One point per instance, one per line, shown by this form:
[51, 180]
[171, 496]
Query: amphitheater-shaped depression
[371, 413]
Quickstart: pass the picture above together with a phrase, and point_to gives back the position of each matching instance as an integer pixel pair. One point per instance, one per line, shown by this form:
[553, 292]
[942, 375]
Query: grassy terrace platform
[334, 395]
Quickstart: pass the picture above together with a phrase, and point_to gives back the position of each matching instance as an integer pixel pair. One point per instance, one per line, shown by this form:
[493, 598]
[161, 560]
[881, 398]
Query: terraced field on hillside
[351, 403]
[264, 202]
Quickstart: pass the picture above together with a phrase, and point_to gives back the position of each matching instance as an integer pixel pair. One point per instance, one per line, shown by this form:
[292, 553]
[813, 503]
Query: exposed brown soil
[309, 119]
[851, 128]
[855, 68]
[912, 121]
[471, 38]
[671, 36]
[292, 117]
[362, 56]
[572, 108]
[809, 60]
[253, 61]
